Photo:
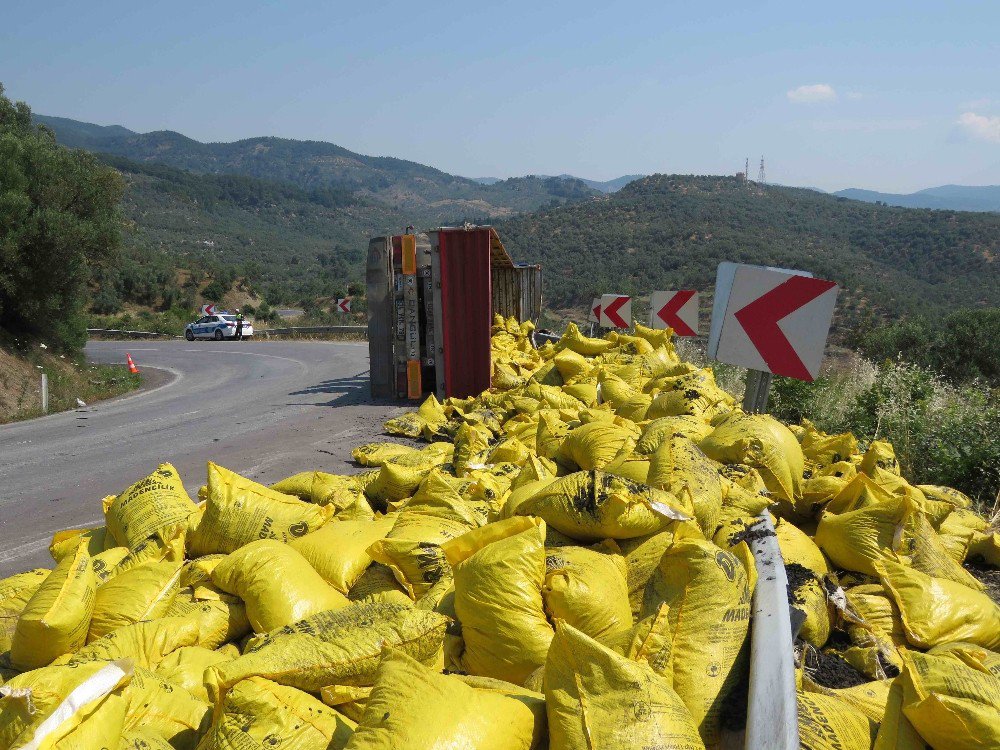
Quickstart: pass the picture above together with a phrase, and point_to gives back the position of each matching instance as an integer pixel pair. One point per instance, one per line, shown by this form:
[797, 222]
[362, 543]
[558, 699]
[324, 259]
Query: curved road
[263, 409]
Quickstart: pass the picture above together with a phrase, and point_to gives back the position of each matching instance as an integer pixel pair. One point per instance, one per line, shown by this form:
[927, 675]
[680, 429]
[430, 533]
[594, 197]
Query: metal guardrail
[311, 329]
[137, 334]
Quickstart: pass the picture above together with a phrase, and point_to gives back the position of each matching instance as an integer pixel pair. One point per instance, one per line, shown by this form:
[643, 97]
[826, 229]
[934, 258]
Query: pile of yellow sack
[563, 564]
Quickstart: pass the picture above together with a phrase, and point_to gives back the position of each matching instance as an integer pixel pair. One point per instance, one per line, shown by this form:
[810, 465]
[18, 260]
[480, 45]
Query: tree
[58, 219]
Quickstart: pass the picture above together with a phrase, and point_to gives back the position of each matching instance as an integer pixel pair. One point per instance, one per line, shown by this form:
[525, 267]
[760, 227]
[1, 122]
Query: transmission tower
[760, 173]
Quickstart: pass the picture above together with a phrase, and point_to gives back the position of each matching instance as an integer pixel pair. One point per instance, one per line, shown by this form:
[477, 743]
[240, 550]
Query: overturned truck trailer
[431, 301]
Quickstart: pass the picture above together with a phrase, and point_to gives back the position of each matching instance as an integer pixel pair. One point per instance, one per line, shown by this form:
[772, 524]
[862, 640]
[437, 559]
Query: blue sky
[883, 95]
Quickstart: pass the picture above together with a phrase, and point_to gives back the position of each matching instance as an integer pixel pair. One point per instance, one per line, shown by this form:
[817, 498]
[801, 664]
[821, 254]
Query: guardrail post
[45, 393]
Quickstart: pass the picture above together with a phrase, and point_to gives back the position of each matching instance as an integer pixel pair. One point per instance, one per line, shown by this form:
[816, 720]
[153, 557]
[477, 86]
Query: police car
[220, 326]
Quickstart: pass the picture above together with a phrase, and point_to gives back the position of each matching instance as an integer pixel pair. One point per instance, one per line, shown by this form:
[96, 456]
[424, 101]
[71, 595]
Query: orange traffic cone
[131, 365]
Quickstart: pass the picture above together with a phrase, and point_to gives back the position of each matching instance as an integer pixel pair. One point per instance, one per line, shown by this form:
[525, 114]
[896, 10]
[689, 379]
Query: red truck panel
[467, 310]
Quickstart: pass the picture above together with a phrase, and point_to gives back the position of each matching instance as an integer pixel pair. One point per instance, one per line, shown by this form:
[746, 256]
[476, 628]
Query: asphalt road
[265, 410]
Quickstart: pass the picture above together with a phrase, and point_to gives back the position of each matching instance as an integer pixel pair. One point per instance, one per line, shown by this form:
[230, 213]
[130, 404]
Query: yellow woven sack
[186, 667]
[586, 587]
[148, 506]
[56, 618]
[396, 482]
[321, 488]
[869, 698]
[859, 539]
[703, 584]
[378, 584]
[874, 605]
[680, 467]
[592, 446]
[575, 341]
[376, 454]
[895, 731]
[219, 617]
[571, 364]
[765, 444]
[166, 546]
[425, 420]
[156, 706]
[499, 572]
[642, 555]
[413, 708]
[927, 553]
[333, 648]
[826, 723]
[807, 596]
[43, 705]
[797, 547]
[880, 455]
[143, 593]
[338, 551]
[258, 713]
[65, 542]
[952, 700]
[654, 433]
[101, 728]
[594, 505]
[651, 641]
[15, 592]
[105, 564]
[139, 739]
[936, 610]
[277, 584]
[239, 511]
[144, 644]
[346, 699]
[988, 658]
[588, 685]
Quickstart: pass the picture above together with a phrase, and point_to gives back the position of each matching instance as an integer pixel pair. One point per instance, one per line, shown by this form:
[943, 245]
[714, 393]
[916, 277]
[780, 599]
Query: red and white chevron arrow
[777, 321]
[344, 305]
[616, 311]
[677, 310]
[208, 309]
[595, 311]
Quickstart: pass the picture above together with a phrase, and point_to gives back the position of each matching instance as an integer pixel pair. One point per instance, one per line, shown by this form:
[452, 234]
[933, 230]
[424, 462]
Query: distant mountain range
[426, 194]
[949, 197]
[607, 186]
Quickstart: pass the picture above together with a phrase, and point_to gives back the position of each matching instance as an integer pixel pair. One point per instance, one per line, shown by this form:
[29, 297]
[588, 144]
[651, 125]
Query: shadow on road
[348, 391]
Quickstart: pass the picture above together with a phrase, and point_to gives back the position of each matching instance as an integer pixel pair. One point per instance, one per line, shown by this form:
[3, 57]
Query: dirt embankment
[69, 379]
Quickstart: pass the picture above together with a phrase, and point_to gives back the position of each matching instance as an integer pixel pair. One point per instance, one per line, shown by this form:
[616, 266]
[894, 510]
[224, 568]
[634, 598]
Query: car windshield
[228, 318]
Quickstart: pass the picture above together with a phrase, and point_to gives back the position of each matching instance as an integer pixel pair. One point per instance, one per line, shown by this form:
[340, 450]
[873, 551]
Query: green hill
[671, 231]
[429, 195]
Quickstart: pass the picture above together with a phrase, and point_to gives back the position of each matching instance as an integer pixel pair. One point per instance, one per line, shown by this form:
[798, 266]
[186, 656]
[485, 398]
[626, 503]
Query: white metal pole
[45, 393]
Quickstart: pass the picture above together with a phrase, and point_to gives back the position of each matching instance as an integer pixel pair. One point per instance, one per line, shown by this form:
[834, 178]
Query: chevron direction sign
[771, 319]
[595, 311]
[616, 311]
[677, 310]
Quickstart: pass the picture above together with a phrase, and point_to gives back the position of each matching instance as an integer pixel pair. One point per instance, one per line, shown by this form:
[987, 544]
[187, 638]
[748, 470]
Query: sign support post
[757, 392]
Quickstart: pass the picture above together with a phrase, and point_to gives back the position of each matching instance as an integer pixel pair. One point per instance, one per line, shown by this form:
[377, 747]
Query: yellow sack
[571, 364]
[895, 731]
[139, 739]
[642, 555]
[277, 584]
[586, 587]
[338, 551]
[703, 584]
[936, 610]
[105, 564]
[575, 341]
[880, 455]
[587, 685]
[186, 667]
[957, 532]
[41, 706]
[148, 506]
[333, 648]
[376, 454]
[101, 728]
[923, 547]
[413, 708]
[499, 572]
[594, 505]
[807, 595]
[348, 700]
[395, 482]
[869, 698]
[873, 604]
[320, 488]
[144, 644]
[143, 593]
[56, 618]
[15, 593]
[258, 713]
[166, 546]
[859, 539]
[240, 511]
[156, 706]
[654, 433]
[65, 542]
[425, 420]
[219, 617]
[797, 547]
[765, 444]
[651, 641]
[679, 467]
[952, 700]
[592, 446]
[826, 723]
[965, 651]
[378, 584]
